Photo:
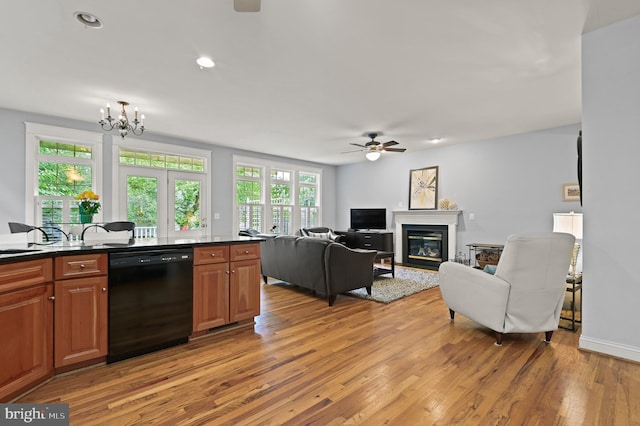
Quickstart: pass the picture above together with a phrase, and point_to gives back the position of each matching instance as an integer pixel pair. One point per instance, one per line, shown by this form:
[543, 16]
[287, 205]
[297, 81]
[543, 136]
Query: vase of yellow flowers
[88, 206]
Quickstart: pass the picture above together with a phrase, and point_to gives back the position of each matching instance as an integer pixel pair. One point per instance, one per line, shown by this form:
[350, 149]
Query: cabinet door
[244, 296]
[26, 327]
[210, 296]
[80, 320]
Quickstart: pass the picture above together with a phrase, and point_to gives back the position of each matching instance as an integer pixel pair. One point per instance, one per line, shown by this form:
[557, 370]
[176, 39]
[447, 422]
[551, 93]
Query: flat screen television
[368, 219]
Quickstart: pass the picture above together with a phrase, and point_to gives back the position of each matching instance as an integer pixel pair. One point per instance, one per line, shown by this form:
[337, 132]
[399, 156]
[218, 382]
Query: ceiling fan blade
[395, 149]
[390, 143]
[246, 5]
[357, 144]
[355, 150]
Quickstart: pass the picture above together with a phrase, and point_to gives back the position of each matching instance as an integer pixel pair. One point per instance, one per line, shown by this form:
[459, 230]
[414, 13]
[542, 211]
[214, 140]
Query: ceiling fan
[374, 148]
[246, 5]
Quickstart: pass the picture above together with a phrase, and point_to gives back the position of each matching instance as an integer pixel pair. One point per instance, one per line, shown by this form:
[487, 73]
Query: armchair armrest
[348, 269]
[475, 294]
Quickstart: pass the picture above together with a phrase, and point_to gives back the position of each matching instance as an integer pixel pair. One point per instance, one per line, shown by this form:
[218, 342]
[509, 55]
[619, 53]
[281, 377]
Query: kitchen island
[55, 299]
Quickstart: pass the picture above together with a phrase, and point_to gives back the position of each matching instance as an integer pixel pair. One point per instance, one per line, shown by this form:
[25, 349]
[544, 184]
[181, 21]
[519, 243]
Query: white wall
[611, 113]
[12, 170]
[511, 184]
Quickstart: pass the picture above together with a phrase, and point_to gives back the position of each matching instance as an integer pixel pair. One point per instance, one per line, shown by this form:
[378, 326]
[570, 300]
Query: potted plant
[88, 206]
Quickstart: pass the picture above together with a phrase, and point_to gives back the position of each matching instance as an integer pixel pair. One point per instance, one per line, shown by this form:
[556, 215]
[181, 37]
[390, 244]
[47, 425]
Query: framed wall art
[423, 188]
[571, 192]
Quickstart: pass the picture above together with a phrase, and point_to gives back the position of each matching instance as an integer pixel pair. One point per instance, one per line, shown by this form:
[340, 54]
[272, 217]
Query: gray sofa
[317, 264]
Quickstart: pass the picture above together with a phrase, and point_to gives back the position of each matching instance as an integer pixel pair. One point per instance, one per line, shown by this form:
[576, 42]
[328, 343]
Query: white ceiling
[304, 78]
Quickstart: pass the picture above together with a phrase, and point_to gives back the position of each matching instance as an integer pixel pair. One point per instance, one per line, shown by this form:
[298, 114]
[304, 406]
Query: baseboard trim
[609, 348]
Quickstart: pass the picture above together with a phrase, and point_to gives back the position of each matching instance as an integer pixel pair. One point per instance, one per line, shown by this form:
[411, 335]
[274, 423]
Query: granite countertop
[12, 252]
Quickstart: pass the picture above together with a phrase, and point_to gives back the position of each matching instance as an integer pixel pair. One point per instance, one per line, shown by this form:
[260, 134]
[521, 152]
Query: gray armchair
[526, 293]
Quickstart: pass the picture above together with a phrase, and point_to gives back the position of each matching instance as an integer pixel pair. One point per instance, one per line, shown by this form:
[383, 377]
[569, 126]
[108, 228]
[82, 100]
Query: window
[249, 197]
[60, 164]
[281, 201]
[275, 197]
[309, 202]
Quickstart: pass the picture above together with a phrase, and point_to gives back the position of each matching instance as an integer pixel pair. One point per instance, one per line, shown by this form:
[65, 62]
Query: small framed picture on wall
[570, 192]
[423, 188]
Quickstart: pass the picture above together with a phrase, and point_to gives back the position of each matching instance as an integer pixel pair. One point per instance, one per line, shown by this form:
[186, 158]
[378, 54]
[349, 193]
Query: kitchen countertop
[9, 252]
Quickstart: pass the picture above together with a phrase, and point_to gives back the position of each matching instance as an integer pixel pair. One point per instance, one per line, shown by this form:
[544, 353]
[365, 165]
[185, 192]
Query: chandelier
[123, 124]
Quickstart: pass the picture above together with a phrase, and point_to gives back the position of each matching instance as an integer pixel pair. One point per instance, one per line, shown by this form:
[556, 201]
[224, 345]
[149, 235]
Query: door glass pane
[142, 204]
[187, 205]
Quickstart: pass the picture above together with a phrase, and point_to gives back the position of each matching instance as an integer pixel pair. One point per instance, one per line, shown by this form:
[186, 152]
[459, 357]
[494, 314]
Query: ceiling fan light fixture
[372, 155]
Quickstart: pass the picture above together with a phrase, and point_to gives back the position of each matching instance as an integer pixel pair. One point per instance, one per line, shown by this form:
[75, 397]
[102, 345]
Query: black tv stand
[380, 240]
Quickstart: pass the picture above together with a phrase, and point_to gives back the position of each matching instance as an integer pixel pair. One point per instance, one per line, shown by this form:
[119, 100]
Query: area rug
[407, 282]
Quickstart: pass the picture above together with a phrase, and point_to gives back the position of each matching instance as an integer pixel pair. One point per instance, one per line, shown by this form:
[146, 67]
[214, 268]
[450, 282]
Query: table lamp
[571, 223]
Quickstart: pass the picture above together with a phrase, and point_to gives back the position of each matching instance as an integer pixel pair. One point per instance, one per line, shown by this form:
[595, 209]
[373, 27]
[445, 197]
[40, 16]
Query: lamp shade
[571, 223]
[372, 155]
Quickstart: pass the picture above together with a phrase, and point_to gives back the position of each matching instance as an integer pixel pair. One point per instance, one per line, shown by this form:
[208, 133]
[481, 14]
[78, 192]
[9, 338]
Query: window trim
[34, 133]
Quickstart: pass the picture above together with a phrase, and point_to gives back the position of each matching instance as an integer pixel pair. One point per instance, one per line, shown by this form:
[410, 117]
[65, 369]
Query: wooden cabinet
[226, 284]
[26, 325]
[380, 241]
[81, 309]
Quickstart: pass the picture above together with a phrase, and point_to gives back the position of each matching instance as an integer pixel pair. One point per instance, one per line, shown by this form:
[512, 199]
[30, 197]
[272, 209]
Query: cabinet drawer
[370, 241]
[210, 254]
[81, 265]
[25, 274]
[245, 251]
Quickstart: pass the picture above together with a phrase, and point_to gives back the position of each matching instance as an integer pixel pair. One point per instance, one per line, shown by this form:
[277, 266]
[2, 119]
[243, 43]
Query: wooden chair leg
[452, 314]
[368, 288]
[264, 277]
[547, 336]
[499, 338]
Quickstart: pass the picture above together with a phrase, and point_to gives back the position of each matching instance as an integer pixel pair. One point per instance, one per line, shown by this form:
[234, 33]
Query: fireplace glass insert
[425, 246]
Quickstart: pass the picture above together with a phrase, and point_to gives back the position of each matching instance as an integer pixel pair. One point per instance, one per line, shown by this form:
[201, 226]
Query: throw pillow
[490, 269]
[324, 235]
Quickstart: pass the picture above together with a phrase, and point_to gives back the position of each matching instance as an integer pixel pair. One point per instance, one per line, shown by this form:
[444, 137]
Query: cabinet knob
[233, 271]
[246, 252]
[82, 266]
[226, 272]
[104, 289]
[52, 298]
[213, 254]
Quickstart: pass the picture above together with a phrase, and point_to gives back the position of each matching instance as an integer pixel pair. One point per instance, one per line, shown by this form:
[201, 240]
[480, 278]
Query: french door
[163, 202]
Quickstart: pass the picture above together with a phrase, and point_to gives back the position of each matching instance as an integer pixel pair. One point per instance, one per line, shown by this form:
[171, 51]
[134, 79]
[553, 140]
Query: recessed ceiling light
[436, 140]
[205, 62]
[88, 20]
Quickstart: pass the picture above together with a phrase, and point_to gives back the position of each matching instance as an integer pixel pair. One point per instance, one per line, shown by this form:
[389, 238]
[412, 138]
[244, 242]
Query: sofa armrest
[475, 294]
[348, 269]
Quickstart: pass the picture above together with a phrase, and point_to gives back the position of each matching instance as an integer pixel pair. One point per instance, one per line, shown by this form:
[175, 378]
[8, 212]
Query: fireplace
[446, 218]
[425, 246]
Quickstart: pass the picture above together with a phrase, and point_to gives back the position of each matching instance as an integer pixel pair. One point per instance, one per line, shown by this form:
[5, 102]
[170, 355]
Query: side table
[574, 285]
[380, 257]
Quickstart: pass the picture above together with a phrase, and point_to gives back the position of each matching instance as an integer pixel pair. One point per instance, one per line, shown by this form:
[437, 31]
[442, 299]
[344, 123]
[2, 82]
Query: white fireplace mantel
[426, 217]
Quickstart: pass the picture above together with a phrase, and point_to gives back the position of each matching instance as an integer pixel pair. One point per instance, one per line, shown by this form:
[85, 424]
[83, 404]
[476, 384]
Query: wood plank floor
[358, 362]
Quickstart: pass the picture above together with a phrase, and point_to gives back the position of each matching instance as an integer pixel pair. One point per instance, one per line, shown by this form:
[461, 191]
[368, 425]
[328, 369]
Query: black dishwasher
[150, 301]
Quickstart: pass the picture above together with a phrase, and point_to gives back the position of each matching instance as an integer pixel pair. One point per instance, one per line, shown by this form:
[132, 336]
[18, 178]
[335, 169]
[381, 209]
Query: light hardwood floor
[358, 362]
